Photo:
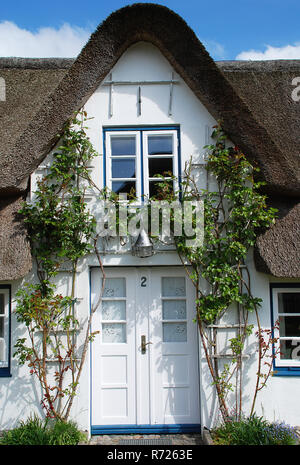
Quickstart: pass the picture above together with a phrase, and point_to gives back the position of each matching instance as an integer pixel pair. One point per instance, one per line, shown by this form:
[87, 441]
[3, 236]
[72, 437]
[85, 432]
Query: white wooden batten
[111, 83]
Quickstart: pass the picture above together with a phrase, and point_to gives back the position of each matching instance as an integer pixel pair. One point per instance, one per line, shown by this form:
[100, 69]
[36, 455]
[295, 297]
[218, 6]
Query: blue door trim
[145, 429]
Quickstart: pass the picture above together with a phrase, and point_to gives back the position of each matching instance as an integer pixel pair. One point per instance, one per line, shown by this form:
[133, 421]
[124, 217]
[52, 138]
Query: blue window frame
[285, 309]
[5, 332]
[134, 157]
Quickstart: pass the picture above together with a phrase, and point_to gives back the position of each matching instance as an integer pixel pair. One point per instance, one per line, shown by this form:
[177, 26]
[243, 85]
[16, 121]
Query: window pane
[114, 332]
[114, 310]
[290, 350]
[289, 302]
[172, 287]
[115, 287]
[157, 190]
[124, 168]
[2, 310]
[289, 326]
[159, 145]
[161, 166]
[122, 145]
[124, 187]
[1, 327]
[174, 309]
[174, 332]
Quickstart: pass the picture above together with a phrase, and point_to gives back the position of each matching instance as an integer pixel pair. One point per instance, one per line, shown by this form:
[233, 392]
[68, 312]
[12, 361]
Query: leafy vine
[61, 231]
[234, 214]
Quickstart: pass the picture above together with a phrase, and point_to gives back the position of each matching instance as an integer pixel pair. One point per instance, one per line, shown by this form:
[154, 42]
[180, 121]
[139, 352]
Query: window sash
[147, 156]
[109, 157]
[279, 361]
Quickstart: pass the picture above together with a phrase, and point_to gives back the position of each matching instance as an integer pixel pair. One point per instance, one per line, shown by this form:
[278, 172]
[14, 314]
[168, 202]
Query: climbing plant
[61, 231]
[234, 213]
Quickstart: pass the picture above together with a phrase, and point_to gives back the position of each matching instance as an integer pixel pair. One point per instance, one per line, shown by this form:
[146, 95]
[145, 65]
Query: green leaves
[254, 430]
[60, 229]
[59, 224]
[234, 213]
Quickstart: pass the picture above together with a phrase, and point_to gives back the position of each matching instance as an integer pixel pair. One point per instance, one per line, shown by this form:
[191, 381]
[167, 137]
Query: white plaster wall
[18, 394]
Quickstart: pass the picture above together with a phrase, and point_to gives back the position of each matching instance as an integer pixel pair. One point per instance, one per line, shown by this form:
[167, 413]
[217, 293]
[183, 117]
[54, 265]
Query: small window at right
[286, 311]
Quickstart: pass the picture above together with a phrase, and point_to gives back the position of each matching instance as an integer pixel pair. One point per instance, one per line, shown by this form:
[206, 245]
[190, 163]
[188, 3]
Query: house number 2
[143, 281]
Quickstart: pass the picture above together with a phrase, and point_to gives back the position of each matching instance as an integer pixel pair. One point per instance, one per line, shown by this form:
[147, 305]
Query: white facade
[134, 392]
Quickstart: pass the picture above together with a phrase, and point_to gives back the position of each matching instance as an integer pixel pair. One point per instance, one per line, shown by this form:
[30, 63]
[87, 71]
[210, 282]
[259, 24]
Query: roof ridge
[259, 65]
[35, 63]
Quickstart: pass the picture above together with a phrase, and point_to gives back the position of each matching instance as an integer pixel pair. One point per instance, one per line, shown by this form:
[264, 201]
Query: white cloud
[66, 41]
[215, 49]
[291, 52]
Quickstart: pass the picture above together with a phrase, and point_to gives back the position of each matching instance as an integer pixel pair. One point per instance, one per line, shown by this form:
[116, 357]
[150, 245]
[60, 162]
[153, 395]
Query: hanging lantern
[143, 246]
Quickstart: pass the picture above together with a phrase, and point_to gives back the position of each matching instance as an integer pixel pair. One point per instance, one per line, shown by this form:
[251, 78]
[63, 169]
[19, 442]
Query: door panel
[145, 359]
[113, 351]
[175, 380]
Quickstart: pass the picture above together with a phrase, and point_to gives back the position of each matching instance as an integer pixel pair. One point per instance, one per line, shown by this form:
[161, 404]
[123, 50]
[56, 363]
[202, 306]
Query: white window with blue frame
[4, 330]
[285, 306]
[135, 158]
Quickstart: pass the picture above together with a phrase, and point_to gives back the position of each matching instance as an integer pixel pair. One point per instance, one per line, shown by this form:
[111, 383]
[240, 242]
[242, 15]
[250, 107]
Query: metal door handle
[144, 343]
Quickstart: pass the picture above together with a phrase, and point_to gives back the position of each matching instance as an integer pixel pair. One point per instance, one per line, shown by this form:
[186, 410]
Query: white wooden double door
[145, 357]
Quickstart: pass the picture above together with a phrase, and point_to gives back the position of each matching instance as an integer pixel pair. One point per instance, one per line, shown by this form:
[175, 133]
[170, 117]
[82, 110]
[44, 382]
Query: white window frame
[278, 361]
[142, 157]
[146, 157]
[109, 158]
[5, 339]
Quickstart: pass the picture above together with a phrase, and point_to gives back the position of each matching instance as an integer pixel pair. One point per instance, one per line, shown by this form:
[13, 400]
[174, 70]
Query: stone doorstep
[175, 439]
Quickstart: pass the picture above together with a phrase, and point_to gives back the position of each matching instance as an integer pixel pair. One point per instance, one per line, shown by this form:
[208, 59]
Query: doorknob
[144, 343]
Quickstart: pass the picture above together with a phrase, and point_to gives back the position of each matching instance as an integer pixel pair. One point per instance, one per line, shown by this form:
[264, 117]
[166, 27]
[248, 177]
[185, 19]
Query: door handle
[144, 343]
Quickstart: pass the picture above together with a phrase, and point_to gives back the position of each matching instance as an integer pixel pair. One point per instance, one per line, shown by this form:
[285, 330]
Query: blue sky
[247, 29]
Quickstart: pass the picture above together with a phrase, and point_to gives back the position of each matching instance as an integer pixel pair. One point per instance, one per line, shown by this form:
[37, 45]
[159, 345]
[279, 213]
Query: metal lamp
[143, 246]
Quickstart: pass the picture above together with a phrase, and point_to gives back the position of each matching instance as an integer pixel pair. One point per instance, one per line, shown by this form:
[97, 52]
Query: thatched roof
[15, 256]
[42, 95]
[266, 88]
[28, 83]
[163, 28]
[277, 251]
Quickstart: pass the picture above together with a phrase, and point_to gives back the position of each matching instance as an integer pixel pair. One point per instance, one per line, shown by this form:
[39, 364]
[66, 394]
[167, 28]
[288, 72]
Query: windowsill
[286, 371]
